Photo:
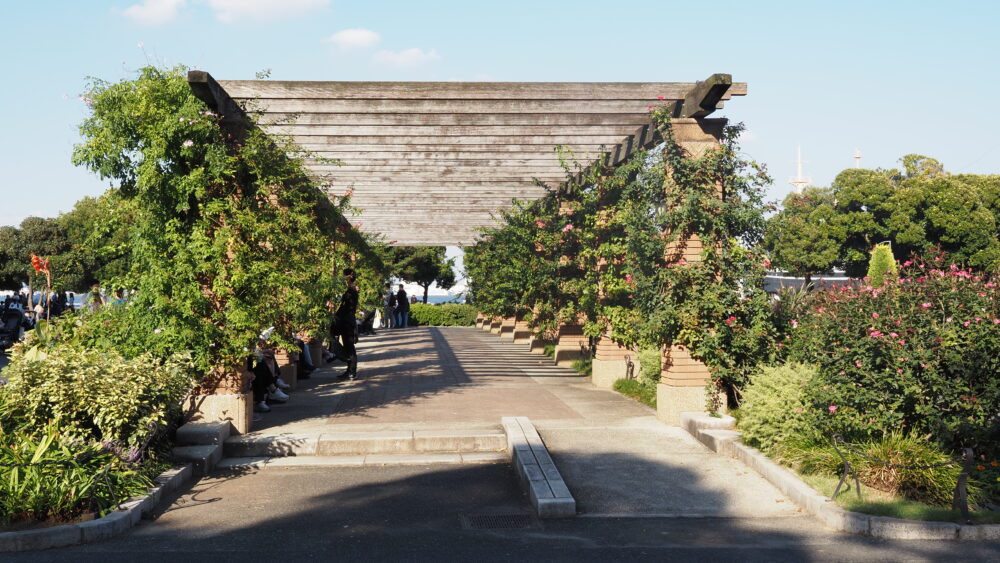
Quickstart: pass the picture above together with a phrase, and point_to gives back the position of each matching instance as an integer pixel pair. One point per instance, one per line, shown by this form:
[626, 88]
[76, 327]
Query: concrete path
[644, 490]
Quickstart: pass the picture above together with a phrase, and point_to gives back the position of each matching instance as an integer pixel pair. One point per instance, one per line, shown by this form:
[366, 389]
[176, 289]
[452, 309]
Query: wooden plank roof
[429, 162]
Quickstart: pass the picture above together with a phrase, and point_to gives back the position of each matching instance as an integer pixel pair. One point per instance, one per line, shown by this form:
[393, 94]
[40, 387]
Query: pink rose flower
[925, 305]
[568, 227]
[832, 408]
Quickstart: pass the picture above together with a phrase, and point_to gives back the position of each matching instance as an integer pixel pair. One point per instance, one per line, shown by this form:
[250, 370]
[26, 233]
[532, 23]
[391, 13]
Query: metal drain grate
[497, 521]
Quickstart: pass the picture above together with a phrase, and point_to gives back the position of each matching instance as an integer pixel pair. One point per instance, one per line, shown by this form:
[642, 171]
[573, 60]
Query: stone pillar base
[316, 351]
[566, 355]
[605, 372]
[290, 374]
[507, 328]
[236, 408]
[537, 345]
[522, 333]
[495, 327]
[672, 400]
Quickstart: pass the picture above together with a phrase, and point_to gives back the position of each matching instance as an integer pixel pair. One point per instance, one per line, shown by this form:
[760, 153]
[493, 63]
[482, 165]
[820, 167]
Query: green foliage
[914, 472]
[880, 503]
[445, 314]
[882, 266]
[918, 356]
[96, 395]
[636, 390]
[775, 406]
[650, 366]
[424, 266]
[583, 366]
[228, 234]
[803, 238]
[594, 253]
[62, 479]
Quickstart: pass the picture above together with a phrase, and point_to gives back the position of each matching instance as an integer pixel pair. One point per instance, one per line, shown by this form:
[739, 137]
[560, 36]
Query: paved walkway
[615, 456]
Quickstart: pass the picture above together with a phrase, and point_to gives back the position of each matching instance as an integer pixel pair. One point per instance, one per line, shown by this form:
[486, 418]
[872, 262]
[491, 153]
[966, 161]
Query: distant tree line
[918, 209]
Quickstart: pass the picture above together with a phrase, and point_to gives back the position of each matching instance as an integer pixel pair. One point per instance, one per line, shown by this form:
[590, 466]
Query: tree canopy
[918, 209]
[424, 266]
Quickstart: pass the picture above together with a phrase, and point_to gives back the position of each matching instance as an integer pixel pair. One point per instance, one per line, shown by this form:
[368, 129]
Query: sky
[887, 78]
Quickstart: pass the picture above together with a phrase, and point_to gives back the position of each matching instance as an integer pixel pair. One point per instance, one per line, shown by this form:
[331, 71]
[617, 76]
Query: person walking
[389, 301]
[402, 308]
[345, 326]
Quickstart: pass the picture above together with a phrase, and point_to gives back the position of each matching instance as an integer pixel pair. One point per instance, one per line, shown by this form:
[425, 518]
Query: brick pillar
[522, 332]
[479, 320]
[507, 328]
[611, 363]
[222, 396]
[683, 379]
[570, 344]
[316, 351]
[287, 367]
[495, 323]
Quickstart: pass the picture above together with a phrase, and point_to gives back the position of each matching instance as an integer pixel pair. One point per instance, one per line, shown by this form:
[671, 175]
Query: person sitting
[305, 364]
[267, 383]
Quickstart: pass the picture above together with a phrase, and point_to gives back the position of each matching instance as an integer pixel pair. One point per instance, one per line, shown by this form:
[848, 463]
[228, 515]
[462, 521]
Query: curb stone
[115, 523]
[718, 435]
[537, 472]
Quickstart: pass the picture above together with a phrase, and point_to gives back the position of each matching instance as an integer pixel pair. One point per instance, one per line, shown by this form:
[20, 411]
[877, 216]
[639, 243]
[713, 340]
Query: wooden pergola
[430, 162]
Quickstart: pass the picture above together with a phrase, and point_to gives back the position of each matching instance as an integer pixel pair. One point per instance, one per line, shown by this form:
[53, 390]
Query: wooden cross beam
[704, 98]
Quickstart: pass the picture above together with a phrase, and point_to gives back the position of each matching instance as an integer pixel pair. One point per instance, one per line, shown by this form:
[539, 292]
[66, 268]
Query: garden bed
[717, 434]
[80, 532]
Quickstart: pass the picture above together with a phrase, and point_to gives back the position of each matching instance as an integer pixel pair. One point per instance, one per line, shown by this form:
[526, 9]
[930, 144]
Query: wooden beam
[395, 106]
[415, 130]
[548, 142]
[467, 119]
[706, 95]
[457, 90]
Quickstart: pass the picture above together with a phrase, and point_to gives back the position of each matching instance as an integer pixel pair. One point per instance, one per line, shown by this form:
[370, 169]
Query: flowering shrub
[919, 354]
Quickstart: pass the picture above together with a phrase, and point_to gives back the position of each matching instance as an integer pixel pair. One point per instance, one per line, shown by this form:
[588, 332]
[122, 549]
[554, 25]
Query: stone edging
[718, 435]
[128, 514]
[548, 492]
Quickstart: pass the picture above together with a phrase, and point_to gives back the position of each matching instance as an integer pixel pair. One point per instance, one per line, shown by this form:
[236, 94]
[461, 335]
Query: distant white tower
[800, 181]
[857, 158]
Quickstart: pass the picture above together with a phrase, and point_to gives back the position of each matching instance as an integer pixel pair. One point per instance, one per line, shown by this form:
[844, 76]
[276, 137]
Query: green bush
[445, 314]
[45, 477]
[95, 395]
[584, 366]
[775, 406]
[636, 390]
[650, 366]
[909, 475]
[882, 266]
[917, 355]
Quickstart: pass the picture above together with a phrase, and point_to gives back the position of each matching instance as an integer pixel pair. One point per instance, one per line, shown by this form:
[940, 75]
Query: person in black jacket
[345, 326]
[402, 308]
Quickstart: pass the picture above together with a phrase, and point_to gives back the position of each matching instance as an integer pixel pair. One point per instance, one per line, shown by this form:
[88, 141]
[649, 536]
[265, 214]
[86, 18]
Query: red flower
[40, 264]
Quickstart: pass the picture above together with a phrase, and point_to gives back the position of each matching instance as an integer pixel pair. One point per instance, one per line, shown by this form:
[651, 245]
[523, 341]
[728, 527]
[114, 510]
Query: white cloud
[154, 12]
[407, 58]
[228, 11]
[354, 38]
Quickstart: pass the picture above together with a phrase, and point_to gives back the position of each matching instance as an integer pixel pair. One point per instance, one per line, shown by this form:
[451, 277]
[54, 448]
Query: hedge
[445, 314]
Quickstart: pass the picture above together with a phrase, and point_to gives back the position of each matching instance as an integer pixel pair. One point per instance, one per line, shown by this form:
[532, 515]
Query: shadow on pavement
[413, 513]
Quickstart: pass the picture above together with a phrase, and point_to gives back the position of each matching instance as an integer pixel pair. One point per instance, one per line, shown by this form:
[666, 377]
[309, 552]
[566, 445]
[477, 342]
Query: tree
[919, 209]
[804, 239]
[12, 268]
[424, 265]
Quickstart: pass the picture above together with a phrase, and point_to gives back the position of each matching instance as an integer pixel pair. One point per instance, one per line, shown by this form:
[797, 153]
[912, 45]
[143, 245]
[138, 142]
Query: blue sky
[888, 78]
